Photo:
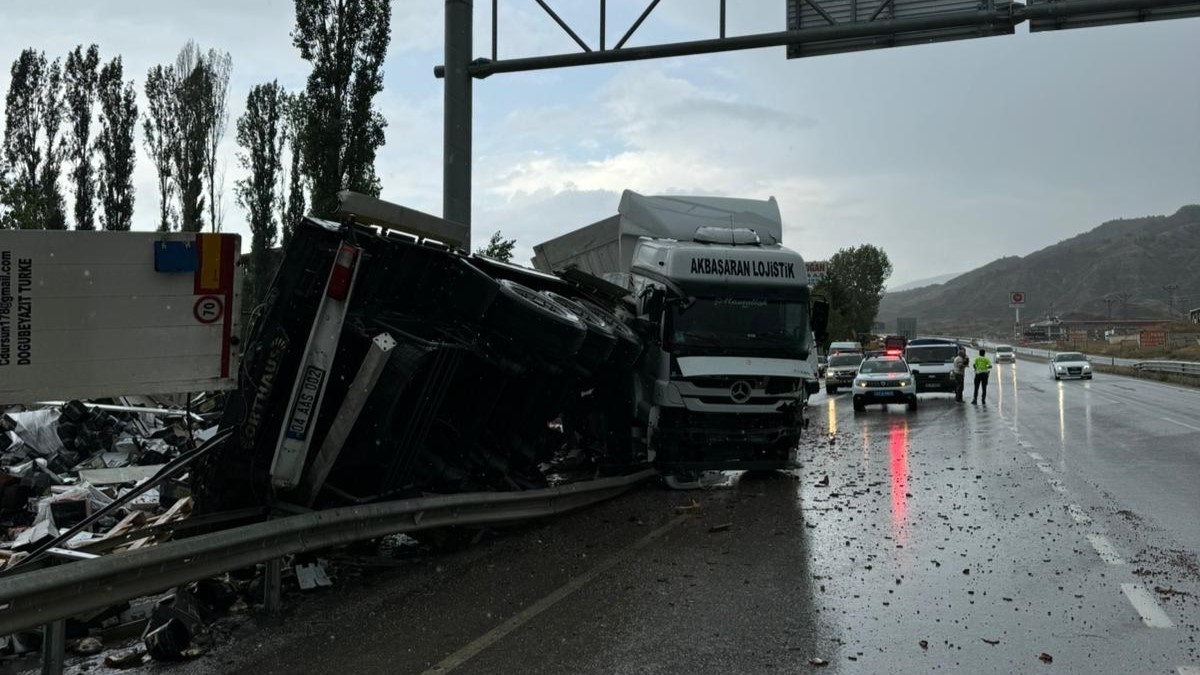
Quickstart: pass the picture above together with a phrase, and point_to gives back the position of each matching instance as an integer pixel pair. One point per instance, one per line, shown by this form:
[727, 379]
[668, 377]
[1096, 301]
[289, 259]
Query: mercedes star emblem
[740, 391]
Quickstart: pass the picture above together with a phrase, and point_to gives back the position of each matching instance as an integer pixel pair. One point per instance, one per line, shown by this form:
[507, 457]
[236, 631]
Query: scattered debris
[824, 482]
[817, 661]
[694, 507]
[88, 646]
[129, 659]
[990, 642]
[312, 576]
[1170, 592]
[924, 644]
[1046, 658]
[722, 527]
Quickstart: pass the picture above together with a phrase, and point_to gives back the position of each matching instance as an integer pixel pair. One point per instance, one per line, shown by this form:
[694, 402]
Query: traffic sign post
[1015, 300]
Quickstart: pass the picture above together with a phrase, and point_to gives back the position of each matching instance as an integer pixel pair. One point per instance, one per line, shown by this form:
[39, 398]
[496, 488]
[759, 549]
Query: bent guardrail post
[273, 586]
[54, 646]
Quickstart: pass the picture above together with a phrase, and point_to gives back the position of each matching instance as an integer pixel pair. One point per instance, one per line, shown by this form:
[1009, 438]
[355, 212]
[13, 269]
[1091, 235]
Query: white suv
[884, 379]
[1005, 354]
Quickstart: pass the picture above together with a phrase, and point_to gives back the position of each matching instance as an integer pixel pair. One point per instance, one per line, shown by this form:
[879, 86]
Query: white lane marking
[1145, 604]
[1108, 552]
[1188, 670]
[1078, 515]
[1037, 457]
[1182, 424]
[519, 619]
[1044, 467]
[1057, 485]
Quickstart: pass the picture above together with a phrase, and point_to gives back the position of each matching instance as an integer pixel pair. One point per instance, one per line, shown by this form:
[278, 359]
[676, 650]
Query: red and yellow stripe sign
[217, 257]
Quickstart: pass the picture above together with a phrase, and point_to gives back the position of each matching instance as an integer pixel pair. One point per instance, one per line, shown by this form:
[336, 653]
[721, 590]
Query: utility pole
[1108, 304]
[456, 140]
[1170, 290]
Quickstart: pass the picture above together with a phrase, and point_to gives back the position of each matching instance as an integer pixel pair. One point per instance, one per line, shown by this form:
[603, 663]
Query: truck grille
[882, 383]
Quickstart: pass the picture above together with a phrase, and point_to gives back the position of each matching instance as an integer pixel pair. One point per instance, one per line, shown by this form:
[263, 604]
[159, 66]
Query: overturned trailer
[382, 365]
[384, 362]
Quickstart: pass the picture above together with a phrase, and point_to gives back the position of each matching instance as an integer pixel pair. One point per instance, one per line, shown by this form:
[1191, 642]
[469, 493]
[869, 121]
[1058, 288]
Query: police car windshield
[741, 325]
[845, 360]
[883, 366]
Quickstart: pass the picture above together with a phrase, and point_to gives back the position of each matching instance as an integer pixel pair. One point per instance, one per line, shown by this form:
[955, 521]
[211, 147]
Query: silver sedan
[1070, 364]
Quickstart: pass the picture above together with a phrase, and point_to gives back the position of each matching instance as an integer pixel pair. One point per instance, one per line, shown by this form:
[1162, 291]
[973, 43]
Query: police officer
[982, 367]
[960, 373]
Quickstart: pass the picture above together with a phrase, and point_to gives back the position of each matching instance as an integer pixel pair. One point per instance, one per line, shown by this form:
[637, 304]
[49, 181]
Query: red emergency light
[892, 352]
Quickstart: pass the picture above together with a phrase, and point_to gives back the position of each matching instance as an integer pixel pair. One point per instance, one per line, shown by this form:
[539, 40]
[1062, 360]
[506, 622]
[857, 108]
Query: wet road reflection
[1000, 388]
[898, 468]
[831, 422]
[1062, 424]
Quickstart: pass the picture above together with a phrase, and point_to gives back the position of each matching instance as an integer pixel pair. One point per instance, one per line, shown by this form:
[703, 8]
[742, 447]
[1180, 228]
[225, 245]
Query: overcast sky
[946, 155]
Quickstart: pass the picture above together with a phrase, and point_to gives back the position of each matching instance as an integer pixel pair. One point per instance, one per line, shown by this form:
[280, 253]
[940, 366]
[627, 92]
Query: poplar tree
[345, 41]
[115, 145]
[260, 136]
[80, 78]
[160, 137]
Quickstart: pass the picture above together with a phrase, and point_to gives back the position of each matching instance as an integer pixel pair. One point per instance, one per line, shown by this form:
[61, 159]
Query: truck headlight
[904, 383]
[861, 383]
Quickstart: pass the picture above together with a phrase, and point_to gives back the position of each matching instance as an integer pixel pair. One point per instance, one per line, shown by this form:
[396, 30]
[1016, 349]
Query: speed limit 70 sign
[1016, 299]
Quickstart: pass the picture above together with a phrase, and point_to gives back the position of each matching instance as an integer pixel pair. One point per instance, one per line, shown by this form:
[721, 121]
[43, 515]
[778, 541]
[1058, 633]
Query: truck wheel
[831, 390]
[629, 345]
[600, 340]
[859, 406]
[912, 403]
[535, 321]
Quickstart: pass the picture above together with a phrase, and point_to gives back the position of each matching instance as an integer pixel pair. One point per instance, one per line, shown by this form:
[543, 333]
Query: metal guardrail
[41, 596]
[1094, 358]
[1180, 367]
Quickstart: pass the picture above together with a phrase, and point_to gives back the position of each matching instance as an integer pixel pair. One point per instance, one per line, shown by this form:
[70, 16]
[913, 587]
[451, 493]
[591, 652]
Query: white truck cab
[724, 309]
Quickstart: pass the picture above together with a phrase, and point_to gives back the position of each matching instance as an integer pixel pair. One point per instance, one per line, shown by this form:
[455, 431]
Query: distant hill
[921, 283]
[1070, 279]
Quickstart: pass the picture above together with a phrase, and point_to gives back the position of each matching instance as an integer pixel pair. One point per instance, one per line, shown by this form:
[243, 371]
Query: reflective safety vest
[982, 365]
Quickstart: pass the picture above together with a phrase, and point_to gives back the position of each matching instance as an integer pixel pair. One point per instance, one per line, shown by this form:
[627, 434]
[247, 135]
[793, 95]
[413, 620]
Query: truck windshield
[768, 326]
[931, 354]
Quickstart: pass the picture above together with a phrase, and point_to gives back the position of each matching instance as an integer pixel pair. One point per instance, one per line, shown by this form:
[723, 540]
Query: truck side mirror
[649, 319]
[820, 320]
[652, 304]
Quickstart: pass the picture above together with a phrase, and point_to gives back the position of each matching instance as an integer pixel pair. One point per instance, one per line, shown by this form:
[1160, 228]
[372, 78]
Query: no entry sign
[1016, 298]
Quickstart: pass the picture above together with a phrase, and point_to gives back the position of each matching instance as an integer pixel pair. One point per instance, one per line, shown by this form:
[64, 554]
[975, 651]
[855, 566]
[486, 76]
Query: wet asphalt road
[1061, 519]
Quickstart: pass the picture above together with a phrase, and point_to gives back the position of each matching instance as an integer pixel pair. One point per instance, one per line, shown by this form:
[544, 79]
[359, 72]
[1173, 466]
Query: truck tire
[536, 322]
[600, 340]
[859, 406]
[912, 403]
[830, 389]
[628, 347]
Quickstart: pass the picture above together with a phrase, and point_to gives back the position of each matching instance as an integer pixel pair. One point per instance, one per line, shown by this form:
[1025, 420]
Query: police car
[884, 379]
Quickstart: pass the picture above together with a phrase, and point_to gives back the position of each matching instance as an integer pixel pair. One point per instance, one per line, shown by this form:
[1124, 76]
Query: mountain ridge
[1070, 279]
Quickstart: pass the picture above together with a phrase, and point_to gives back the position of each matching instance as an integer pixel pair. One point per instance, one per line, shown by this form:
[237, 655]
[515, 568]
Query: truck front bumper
[709, 441]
